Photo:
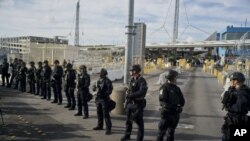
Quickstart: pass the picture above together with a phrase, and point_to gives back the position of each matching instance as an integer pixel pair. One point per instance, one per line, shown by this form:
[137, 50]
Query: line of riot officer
[4, 72]
[46, 81]
[135, 103]
[236, 101]
[56, 82]
[31, 74]
[69, 87]
[83, 92]
[103, 90]
[39, 75]
[171, 102]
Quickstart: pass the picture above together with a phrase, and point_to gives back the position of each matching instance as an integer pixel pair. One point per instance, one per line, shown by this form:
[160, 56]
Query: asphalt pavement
[29, 118]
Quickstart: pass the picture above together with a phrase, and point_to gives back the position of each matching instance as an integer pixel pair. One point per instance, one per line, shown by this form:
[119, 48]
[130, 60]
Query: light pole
[130, 33]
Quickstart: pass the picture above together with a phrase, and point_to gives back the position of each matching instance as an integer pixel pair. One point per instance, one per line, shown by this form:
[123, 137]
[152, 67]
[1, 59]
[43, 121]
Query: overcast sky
[104, 21]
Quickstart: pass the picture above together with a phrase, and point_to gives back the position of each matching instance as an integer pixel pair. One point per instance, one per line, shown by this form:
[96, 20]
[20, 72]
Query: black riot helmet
[32, 63]
[136, 68]
[103, 72]
[237, 76]
[69, 66]
[171, 75]
[46, 62]
[82, 67]
[40, 63]
[56, 62]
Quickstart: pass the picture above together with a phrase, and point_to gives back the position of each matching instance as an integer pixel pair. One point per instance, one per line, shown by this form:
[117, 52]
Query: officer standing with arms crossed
[57, 75]
[46, 80]
[236, 102]
[104, 88]
[83, 91]
[171, 102]
[70, 87]
[135, 103]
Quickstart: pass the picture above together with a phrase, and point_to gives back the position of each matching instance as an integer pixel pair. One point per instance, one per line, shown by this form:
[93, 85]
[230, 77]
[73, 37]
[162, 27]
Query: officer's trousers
[57, 90]
[134, 113]
[82, 102]
[103, 113]
[38, 86]
[69, 91]
[5, 77]
[23, 84]
[12, 79]
[232, 120]
[32, 86]
[168, 124]
[46, 90]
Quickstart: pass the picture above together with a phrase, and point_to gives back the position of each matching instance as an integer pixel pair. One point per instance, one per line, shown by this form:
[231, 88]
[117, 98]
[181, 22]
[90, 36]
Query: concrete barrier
[118, 95]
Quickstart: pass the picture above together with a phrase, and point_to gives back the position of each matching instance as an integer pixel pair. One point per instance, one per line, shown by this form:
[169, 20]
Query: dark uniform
[5, 74]
[18, 76]
[39, 75]
[171, 102]
[31, 74]
[70, 86]
[14, 72]
[83, 91]
[237, 103]
[57, 75]
[46, 78]
[135, 104]
[22, 77]
[104, 88]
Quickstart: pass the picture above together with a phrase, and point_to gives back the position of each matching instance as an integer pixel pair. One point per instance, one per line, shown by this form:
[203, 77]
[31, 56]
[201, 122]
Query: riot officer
[69, 87]
[39, 74]
[171, 102]
[135, 103]
[236, 101]
[57, 75]
[83, 91]
[14, 71]
[22, 77]
[18, 76]
[103, 89]
[46, 81]
[5, 74]
[31, 77]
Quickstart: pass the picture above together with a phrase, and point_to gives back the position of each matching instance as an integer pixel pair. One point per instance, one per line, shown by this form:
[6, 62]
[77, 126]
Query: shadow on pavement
[41, 132]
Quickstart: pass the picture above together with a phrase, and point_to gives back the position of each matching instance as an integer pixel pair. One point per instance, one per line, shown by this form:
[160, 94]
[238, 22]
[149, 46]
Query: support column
[128, 49]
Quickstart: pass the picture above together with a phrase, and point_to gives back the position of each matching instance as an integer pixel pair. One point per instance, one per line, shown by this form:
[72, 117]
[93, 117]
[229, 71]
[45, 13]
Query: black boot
[125, 138]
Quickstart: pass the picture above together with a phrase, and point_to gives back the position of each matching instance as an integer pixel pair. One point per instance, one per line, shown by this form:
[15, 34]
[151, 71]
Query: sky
[104, 21]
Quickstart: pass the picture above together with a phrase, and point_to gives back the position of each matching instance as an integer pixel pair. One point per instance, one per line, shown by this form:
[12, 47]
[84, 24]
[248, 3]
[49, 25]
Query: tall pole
[176, 21]
[77, 24]
[175, 31]
[128, 49]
